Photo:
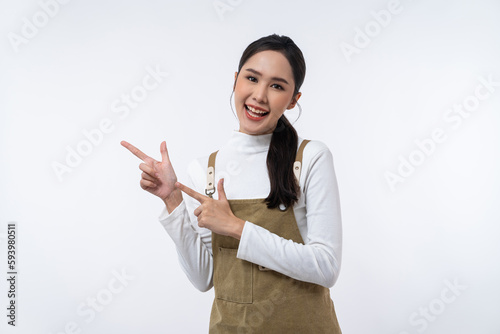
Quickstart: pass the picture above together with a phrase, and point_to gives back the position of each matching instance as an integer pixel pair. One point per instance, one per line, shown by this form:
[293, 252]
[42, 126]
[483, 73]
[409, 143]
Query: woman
[269, 245]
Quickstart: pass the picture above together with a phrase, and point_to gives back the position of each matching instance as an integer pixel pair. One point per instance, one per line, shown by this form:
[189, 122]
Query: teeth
[256, 111]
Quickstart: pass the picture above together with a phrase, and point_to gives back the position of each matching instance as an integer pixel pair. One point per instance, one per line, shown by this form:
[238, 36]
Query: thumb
[164, 152]
[220, 189]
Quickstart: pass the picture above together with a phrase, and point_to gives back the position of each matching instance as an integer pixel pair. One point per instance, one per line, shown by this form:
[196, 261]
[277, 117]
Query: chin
[255, 131]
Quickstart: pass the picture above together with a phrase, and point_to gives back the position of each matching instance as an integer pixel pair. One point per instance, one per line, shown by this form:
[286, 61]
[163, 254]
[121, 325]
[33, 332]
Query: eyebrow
[273, 78]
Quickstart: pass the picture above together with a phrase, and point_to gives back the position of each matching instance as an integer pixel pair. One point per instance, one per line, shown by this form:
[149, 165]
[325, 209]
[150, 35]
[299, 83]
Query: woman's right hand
[158, 177]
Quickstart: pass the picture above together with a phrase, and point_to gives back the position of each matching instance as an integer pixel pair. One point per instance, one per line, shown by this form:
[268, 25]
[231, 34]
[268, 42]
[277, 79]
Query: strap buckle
[210, 192]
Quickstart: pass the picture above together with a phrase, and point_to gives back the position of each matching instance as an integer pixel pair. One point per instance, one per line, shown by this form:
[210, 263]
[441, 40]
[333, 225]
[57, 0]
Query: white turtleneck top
[242, 164]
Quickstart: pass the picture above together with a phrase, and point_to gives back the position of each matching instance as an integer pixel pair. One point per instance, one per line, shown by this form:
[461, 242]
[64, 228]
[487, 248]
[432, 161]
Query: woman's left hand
[215, 214]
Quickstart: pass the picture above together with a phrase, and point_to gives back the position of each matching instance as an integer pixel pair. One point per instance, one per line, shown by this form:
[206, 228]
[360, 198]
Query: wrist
[238, 230]
[173, 200]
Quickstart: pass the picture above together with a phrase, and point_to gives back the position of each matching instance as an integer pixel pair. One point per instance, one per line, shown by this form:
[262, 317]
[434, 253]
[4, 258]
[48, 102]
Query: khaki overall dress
[252, 299]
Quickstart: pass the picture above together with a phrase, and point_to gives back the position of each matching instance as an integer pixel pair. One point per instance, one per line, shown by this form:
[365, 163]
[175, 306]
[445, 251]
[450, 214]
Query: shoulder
[314, 149]
[318, 175]
[317, 162]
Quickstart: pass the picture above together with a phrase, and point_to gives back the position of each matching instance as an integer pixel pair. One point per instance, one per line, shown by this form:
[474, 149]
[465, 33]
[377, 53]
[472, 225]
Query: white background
[401, 246]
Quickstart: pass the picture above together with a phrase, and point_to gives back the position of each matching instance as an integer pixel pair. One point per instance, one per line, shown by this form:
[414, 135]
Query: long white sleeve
[318, 260]
[193, 243]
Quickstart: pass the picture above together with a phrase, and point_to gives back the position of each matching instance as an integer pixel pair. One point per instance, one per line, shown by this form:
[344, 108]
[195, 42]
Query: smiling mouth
[255, 113]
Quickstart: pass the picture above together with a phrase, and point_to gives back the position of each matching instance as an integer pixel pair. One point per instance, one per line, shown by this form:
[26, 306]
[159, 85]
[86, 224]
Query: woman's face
[263, 91]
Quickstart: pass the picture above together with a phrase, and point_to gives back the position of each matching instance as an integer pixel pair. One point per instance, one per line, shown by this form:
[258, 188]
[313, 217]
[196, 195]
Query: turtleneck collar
[246, 143]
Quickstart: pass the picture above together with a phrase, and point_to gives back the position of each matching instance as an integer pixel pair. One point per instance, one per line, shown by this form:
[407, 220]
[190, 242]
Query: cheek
[240, 90]
[282, 102]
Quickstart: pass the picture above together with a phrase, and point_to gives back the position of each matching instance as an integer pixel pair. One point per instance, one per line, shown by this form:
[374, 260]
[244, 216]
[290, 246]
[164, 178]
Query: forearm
[317, 262]
[193, 246]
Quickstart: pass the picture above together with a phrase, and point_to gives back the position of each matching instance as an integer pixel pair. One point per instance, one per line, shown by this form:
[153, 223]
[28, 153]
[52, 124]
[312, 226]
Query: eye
[277, 86]
[253, 79]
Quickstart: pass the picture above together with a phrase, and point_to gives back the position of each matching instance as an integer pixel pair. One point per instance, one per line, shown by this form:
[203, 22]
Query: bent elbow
[331, 279]
[204, 288]
[331, 272]
[200, 282]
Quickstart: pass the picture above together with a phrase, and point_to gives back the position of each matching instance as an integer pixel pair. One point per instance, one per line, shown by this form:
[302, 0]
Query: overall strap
[297, 165]
[210, 188]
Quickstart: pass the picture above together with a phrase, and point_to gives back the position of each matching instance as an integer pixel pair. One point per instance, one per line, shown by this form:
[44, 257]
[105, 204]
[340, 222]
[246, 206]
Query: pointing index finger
[194, 194]
[135, 151]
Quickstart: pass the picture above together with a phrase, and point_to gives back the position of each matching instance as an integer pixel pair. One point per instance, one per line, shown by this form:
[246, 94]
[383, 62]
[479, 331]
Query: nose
[260, 93]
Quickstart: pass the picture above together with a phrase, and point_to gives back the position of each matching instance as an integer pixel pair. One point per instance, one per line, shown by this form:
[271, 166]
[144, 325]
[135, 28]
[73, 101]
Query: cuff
[165, 217]
[243, 240]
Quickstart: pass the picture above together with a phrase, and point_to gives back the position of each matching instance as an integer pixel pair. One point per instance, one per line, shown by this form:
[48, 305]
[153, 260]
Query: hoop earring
[300, 113]
[231, 105]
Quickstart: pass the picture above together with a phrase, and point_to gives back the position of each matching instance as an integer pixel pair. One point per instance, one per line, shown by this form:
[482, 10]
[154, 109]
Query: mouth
[255, 113]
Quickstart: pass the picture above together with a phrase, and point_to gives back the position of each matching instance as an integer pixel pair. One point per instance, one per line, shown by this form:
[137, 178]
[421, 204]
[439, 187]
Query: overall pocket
[232, 277]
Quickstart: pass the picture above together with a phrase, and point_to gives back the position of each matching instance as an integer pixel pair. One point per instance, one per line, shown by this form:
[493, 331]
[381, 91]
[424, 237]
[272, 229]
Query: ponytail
[280, 159]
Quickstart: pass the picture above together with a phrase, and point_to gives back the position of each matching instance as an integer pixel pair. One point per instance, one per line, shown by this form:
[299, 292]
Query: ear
[294, 101]
[235, 77]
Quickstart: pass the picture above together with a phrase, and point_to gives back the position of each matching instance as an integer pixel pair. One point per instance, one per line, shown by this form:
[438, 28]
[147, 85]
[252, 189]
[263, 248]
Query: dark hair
[283, 146]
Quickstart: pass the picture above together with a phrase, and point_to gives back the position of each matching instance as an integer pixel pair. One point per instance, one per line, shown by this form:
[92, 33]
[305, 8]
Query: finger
[220, 189]
[198, 211]
[148, 170]
[145, 184]
[196, 195]
[148, 177]
[164, 152]
[135, 151]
